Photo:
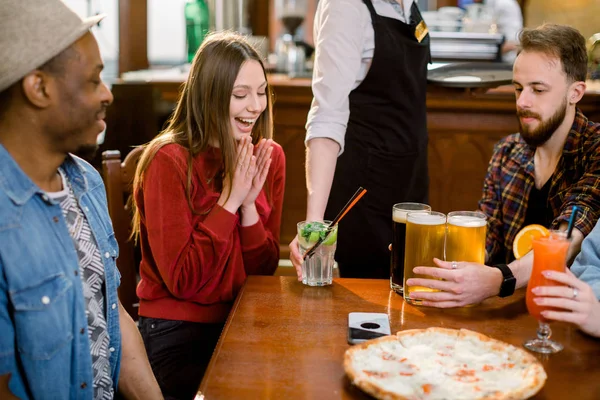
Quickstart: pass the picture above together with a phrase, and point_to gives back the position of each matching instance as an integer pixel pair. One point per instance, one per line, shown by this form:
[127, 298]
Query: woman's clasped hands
[251, 170]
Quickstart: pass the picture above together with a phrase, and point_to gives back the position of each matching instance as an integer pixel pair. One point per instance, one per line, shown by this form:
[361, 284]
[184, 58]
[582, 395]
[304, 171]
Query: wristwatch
[509, 281]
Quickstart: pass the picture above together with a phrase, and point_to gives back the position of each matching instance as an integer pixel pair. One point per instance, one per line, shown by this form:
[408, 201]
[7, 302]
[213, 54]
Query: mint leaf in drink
[312, 230]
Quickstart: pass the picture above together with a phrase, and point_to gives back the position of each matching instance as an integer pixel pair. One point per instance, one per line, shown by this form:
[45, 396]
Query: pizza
[439, 363]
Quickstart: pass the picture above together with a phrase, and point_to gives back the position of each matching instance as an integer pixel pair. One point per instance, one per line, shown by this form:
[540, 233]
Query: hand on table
[469, 283]
[576, 302]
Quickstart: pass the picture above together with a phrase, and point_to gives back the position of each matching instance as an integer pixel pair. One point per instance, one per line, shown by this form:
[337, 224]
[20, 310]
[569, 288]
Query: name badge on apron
[421, 31]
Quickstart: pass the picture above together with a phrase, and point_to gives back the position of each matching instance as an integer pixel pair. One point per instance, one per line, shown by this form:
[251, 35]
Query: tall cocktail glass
[549, 253]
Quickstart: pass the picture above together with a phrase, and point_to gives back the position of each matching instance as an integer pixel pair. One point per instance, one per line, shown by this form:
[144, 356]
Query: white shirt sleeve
[345, 43]
[509, 18]
[339, 40]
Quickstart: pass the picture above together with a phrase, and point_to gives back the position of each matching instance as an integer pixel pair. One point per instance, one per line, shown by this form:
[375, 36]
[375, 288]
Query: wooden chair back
[118, 179]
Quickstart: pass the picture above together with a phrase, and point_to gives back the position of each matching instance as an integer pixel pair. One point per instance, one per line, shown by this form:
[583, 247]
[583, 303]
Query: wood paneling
[446, 3]
[259, 18]
[463, 129]
[580, 14]
[133, 35]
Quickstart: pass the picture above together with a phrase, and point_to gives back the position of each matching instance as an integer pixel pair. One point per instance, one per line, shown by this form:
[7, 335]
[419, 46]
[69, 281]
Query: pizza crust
[527, 375]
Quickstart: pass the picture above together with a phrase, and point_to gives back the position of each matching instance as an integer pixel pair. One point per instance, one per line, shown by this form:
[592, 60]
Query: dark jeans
[179, 352]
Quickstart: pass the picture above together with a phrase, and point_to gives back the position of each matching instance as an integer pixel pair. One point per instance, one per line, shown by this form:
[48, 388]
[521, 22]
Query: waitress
[367, 125]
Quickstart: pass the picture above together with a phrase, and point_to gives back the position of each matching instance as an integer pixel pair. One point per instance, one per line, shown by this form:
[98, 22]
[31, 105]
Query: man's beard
[87, 152]
[537, 137]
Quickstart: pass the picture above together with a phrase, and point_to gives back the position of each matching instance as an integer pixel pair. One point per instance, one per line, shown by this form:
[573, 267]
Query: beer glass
[549, 253]
[425, 237]
[399, 212]
[465, 237]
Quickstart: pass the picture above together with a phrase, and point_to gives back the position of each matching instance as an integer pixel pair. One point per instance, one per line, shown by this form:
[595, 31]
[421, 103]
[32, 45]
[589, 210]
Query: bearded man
[535, 176]
[538, 175]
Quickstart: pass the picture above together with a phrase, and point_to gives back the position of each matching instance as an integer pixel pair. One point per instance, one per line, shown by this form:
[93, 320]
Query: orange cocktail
[549, 253]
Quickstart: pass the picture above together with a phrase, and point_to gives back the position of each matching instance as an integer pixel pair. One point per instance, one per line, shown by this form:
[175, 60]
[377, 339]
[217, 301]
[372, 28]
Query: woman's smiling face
[248, 98]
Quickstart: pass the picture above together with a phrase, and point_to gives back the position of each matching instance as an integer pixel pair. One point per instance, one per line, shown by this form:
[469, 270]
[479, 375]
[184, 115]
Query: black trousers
[179, 352]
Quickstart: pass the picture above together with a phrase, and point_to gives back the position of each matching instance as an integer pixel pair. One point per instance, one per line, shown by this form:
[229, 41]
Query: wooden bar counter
[463, 128]
[284, 340]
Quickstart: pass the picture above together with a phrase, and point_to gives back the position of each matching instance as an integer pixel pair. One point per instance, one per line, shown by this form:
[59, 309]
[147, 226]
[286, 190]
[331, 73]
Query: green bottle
[196, 25]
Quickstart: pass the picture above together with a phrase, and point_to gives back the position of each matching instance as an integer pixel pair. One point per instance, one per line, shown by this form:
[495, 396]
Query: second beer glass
[425, 237]
[465, 240]
[399, 212]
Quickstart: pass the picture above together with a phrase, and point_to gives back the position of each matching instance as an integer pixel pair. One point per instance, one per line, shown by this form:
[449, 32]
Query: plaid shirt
[511, 175]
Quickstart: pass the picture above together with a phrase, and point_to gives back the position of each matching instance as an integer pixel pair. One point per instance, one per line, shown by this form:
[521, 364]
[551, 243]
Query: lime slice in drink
[329, 240]
[313, 237]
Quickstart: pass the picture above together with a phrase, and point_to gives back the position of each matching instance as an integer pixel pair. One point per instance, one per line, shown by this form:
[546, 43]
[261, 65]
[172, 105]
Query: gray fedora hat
[34, 31]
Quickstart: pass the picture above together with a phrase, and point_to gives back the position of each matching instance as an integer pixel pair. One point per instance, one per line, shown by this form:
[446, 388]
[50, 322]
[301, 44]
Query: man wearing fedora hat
[64, 333]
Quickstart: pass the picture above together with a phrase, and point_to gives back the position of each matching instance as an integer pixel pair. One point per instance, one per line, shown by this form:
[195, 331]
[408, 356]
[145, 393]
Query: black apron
[385, 147]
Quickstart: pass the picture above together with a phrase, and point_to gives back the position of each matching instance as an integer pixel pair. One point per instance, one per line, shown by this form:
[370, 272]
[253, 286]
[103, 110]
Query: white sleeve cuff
[330, 130]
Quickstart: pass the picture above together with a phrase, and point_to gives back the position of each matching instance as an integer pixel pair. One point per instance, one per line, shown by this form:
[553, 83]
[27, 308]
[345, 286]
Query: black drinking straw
[572, 221]
[353, 200]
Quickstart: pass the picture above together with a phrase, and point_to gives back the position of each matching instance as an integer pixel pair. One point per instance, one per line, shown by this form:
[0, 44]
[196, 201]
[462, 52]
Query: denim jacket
[587, 264]
[44, 341]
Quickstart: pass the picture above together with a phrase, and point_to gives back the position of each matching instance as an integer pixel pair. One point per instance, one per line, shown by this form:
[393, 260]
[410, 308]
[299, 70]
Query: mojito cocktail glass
[317, 270]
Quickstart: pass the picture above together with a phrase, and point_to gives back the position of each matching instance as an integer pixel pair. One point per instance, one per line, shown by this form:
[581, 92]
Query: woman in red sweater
[208, 193]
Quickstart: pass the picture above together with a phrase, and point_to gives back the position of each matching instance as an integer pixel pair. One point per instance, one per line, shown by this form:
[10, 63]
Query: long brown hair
[201, 116]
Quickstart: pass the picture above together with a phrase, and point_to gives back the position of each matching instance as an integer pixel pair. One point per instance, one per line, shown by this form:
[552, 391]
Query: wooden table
[284, 340]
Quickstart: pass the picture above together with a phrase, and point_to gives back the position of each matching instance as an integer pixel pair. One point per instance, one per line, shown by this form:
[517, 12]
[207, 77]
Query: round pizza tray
[471, 75]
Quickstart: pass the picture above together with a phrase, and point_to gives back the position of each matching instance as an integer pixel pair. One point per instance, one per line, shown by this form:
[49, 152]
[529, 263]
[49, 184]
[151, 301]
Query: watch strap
[509, 282]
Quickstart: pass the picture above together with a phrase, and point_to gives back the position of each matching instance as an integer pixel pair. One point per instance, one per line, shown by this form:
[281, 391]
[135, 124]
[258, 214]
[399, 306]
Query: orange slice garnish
[523, 242]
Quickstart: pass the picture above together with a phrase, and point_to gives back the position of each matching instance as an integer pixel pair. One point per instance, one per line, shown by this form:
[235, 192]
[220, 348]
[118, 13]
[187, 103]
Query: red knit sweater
[193, 265]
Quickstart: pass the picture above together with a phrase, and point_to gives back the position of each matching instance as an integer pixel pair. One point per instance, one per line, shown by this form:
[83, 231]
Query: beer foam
[424, 218]
[399, 216]
[466, 221]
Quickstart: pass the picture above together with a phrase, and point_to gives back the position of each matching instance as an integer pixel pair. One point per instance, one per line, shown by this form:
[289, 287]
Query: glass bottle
[196, 25]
